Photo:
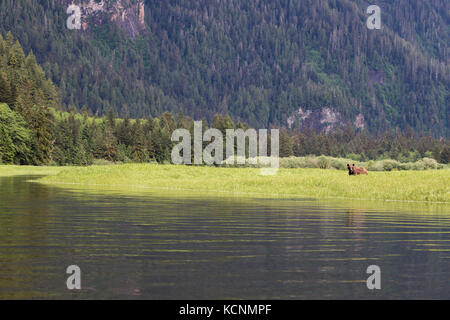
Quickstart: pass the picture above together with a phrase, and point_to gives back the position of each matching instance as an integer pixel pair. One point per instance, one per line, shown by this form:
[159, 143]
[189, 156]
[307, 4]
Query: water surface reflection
[186, 247]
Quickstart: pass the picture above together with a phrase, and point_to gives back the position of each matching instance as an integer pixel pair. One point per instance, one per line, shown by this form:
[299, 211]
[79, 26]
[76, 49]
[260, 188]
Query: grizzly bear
[350, 170]
[358, 170]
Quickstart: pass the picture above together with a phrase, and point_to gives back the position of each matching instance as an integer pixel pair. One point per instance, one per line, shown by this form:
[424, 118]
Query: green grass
[6, 171]
[427, 186]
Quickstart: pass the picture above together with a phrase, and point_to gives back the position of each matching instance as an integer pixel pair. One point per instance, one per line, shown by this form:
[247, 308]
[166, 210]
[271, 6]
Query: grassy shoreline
[423, 186]
[14, 170]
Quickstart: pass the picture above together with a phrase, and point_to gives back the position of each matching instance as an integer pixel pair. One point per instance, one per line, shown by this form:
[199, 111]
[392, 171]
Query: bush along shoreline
[326, 162]
[313, 162]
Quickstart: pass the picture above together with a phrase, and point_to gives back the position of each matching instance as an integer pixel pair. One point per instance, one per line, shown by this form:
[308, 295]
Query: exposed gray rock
[129, 15]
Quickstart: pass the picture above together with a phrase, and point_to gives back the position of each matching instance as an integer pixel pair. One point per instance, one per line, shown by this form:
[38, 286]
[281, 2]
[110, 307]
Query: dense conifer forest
[101, 94]
[34, 129]
[258, 61]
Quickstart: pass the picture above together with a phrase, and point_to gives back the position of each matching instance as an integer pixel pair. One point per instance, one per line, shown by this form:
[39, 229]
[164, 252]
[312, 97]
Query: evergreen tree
[5, 90]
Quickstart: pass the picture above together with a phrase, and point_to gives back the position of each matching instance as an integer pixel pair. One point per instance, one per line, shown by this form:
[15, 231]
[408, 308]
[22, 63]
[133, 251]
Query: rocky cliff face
[129, 15]
[323, 119]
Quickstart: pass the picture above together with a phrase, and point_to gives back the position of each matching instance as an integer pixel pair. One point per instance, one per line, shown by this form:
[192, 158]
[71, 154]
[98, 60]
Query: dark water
[180, 247]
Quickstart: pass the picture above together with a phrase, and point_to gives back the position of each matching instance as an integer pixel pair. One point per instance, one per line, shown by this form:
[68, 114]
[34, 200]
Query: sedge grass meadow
[422, 186]
[12, 170]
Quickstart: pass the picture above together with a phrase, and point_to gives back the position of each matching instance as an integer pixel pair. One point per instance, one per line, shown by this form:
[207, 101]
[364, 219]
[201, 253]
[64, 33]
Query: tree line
[81, 139]
[34, 130]
[258, 61]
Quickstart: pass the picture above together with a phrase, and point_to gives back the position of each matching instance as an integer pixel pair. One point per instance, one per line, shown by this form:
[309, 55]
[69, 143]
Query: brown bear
[350, 170]
[358, 170]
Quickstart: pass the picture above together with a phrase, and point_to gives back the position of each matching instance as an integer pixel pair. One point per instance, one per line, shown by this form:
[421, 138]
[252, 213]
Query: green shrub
[323, 162]
[389, 165]
[430, 163]
[102, 162]
[339, 164]
[354, 156]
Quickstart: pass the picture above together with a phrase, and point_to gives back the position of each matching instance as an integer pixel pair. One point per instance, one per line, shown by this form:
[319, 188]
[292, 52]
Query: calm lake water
[186, 247]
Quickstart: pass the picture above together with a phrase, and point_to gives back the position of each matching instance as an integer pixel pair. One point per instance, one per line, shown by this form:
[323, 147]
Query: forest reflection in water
[185, 246]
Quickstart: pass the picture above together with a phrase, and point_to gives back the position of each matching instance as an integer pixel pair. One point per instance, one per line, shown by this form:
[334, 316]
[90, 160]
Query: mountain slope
[295, 63]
